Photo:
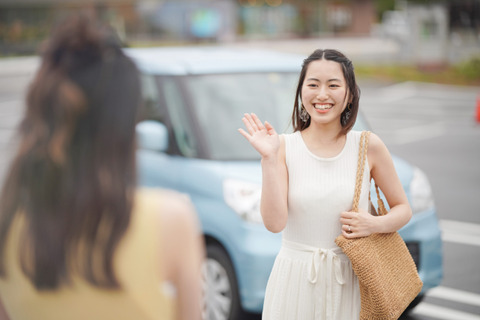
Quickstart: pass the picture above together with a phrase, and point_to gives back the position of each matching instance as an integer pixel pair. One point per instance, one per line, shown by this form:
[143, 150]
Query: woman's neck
[324, 135]
[323, 143]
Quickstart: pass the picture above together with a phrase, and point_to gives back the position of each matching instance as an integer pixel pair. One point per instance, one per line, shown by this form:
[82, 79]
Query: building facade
[24, 23]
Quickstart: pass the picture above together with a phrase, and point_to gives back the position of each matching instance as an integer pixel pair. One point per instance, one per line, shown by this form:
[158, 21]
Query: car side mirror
[152, 135]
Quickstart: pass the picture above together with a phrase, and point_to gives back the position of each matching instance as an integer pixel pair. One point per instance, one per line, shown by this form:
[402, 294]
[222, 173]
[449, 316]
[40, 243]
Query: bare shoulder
[376, 145]
[180, 234]
[377, 153]
[175, 201]
[177, 212]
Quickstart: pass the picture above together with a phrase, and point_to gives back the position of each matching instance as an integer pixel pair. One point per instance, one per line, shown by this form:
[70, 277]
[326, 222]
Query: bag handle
[362, 155]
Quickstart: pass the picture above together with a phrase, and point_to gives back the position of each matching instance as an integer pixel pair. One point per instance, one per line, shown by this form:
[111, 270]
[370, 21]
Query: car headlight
[244, 198]
[421, 195]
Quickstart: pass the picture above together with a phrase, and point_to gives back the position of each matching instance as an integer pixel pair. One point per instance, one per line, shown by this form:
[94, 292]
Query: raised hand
[262, 137]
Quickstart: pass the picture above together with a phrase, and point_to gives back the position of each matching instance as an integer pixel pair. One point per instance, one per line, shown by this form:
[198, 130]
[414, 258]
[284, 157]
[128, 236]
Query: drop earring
[304, 114]
[347, 114]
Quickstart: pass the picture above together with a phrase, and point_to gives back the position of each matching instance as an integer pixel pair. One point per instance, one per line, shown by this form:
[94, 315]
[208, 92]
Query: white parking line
[460, 232]
[404, 90]
[455, 295]
[461, 239]
[18, 66]
[397, 92]
[418, 133]
[10, 107]
[442, 313]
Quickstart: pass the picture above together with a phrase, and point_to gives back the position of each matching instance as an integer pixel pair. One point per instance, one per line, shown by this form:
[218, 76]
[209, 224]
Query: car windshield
[220, 101]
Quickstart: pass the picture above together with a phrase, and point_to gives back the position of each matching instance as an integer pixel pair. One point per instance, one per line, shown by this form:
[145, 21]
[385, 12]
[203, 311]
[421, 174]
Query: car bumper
[423, 238]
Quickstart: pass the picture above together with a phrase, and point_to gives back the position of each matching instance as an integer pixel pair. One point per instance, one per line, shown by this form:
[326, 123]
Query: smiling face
[324, 91]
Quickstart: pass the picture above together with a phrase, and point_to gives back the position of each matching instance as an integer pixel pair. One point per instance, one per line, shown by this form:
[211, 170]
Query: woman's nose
[322, 93]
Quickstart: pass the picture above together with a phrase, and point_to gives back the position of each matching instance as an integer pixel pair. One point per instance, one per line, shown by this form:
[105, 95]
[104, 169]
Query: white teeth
[323, 106]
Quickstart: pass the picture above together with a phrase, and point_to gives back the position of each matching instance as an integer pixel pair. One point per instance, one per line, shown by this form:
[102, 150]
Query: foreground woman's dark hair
[73, 176]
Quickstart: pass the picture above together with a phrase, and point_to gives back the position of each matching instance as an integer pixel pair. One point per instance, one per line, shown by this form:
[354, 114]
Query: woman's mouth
[323, 107]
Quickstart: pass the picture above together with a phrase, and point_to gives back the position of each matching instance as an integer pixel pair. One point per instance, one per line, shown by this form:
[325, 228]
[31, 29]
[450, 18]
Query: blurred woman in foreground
[78, 239]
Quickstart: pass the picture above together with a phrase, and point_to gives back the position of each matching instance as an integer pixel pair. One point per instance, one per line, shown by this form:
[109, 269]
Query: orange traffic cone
[478, 108]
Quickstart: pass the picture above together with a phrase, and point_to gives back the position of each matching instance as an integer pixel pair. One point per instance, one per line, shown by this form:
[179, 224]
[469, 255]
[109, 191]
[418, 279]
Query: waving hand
[262, 137]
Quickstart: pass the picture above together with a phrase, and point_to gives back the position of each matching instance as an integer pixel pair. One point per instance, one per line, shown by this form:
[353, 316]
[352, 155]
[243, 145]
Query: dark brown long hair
[352, 89]
[73, 175]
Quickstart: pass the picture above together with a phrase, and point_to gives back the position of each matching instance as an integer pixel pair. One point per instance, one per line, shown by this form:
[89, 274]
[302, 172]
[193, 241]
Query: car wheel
[221, 299]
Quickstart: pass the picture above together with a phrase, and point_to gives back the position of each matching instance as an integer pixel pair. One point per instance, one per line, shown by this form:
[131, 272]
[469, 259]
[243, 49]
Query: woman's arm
[383, 172]
[183, 246]
[274, 205]
[271, 147]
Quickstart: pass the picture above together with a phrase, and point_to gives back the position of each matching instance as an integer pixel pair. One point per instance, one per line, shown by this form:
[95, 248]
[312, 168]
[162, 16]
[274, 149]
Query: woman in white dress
[307, 193]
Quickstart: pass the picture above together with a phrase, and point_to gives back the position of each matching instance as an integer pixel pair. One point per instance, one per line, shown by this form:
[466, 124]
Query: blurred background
[440, 36]
[418, 65]
[429, 32]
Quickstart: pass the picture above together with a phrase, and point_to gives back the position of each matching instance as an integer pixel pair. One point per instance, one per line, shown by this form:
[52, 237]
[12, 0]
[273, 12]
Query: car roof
[208, 60]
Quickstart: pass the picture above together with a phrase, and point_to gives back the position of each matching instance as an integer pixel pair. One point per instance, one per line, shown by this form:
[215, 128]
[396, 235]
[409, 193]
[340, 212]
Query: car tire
[221, 298]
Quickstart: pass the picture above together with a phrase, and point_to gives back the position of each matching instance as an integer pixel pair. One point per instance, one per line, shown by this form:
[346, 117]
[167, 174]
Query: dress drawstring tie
[319, 276]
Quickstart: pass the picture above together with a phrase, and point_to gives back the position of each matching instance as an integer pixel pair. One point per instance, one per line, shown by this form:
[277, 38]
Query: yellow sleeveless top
[137, 265]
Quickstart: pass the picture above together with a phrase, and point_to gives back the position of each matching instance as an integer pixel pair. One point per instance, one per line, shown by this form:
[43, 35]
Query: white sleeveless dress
[311, 278]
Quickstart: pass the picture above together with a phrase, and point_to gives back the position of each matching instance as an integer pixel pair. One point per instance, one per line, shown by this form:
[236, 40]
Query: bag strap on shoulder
[362, 155]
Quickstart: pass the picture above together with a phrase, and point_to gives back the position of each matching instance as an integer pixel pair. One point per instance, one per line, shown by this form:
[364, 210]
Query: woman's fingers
[270, 128]
[244, 133]
[350, 232]
[356, 224]
[251, 119]
[253, 123]
[257, 121]
[348, 235]
[248, 124]
[347, 228]
[262, 137]
[348, 222]
[348, 215]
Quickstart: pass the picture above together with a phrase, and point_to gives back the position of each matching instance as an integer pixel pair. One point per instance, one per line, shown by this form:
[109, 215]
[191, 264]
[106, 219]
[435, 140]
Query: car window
[151, 104]
[177, 109]
[220, 100]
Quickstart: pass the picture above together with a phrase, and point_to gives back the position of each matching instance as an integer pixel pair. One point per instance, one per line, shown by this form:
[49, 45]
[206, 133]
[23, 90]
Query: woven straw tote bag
[385, 269]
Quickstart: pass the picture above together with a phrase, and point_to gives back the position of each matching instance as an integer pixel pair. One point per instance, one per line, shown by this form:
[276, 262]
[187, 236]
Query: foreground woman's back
[138, 265]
